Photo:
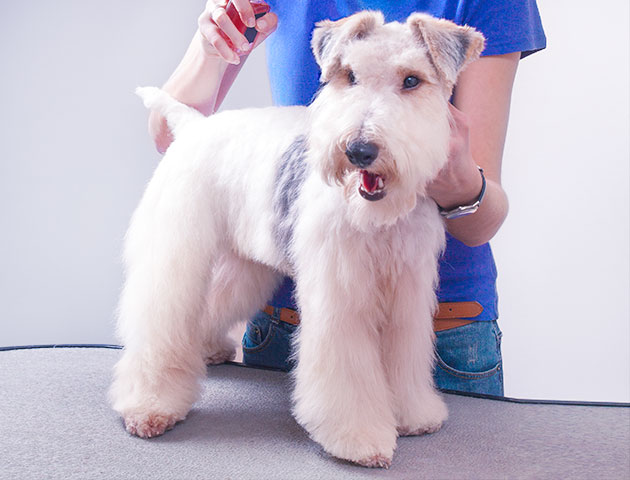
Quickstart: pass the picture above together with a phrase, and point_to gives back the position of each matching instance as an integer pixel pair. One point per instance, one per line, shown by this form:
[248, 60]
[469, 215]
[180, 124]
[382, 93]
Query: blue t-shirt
[466, 273]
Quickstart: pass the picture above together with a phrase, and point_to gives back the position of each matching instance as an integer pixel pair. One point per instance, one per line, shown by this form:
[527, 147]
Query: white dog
[333, 195]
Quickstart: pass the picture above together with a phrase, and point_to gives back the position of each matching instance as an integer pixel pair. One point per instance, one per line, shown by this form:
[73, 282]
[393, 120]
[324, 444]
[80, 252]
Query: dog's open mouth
[371, 186]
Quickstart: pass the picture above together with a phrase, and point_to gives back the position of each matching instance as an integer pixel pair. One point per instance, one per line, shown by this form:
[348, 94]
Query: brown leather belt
[449, 315]
[286, 315]
[455, 314]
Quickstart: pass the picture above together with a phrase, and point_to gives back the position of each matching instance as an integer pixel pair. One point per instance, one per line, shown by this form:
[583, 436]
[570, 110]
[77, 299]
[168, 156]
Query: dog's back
[257, 155]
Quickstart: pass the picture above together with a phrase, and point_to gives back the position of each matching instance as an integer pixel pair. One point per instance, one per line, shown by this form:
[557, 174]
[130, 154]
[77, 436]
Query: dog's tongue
[369, 181]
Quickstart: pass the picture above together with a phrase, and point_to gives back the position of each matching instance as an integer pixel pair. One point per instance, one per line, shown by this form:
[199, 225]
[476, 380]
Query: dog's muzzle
[362, 155]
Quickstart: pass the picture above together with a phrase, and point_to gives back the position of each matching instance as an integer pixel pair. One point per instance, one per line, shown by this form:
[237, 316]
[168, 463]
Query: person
[468, 337]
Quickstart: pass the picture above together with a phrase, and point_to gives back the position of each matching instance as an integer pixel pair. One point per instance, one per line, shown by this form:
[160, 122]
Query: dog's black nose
[362, 154]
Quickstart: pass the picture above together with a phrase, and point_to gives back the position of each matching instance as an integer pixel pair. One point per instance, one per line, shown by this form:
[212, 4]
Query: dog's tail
[176, 113]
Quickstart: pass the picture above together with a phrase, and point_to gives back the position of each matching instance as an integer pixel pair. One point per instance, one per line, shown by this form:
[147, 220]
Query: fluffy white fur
[203, 249]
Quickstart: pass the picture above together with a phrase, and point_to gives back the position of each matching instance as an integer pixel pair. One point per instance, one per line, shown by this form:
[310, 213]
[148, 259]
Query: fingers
[222, 38]
[459, 116]
[245, 11]
[458, 120]
[214, 44]
[229, 30]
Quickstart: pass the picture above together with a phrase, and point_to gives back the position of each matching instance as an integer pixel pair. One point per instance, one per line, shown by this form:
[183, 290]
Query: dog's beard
[390, 194]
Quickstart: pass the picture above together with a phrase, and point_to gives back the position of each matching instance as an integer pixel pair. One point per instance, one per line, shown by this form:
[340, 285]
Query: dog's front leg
[408, 351]
[341, 394]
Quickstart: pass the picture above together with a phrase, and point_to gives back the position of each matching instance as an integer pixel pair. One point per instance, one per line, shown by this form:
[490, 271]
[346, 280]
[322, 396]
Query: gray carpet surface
[55, 423]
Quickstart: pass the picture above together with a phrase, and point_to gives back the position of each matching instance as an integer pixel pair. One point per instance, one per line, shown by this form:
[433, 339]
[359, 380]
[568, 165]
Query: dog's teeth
[381, 184]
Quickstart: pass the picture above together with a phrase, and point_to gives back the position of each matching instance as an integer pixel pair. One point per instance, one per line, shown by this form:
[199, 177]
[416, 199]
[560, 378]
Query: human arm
[210, 65]
[480, 117]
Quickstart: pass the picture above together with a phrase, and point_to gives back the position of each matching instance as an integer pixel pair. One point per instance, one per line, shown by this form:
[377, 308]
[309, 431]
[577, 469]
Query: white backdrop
[76, 155]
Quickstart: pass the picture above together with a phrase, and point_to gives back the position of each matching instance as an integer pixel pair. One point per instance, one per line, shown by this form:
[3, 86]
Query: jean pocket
[267, 343]
[469, 375]
[489, 382]
[468, 359]
[256, 338]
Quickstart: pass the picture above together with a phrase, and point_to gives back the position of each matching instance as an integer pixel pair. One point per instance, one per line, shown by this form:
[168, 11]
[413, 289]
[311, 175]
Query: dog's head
[380, 123]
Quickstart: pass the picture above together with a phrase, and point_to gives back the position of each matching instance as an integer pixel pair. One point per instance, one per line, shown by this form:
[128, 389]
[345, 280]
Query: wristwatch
[464, 210]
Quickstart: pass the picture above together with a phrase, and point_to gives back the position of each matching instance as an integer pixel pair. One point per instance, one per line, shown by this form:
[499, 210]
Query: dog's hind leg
[168, 252]
[238, 288]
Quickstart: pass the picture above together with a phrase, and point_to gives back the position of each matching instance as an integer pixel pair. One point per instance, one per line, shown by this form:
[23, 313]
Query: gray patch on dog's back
[289, 180]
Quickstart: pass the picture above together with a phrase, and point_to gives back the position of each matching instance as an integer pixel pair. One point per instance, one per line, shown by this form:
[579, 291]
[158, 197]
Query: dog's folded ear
[451, 47]
[330, 37]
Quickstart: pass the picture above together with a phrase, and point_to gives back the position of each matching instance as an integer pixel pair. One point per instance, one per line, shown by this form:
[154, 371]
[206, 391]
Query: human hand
[220, 37]
[459, 181]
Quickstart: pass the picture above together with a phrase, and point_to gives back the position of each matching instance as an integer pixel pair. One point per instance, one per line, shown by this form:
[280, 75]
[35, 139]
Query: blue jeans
[468, 357]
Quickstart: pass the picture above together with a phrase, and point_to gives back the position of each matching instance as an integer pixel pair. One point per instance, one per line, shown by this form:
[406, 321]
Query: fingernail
[251, 22]
[245, 47]
[262, 25]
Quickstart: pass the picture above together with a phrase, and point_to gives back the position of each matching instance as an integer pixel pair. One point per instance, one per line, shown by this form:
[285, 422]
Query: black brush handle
[250, 33]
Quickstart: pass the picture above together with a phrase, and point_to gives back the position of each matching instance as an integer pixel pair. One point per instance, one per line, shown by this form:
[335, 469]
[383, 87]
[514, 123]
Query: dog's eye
[351, 79]
[411, 82]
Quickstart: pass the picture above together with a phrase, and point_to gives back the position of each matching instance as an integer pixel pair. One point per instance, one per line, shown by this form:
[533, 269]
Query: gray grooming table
[55, 423]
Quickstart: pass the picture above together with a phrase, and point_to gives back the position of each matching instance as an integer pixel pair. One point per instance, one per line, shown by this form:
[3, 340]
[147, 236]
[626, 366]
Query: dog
[333, 195]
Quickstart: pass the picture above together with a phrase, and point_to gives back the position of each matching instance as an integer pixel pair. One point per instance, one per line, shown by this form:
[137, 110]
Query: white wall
[75, 158]
[563, 252]
[76, 153]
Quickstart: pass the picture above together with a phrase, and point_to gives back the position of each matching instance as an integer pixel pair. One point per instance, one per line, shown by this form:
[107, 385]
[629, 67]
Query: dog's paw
[220, 349]
[375, 461]
[429, 419]
[419, 430]
[149, 425]
[220, 356]
[375, 453]
[358, 455]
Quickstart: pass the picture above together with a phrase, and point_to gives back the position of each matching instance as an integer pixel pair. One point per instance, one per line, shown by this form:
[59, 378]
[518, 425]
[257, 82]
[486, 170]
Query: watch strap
[464, 210]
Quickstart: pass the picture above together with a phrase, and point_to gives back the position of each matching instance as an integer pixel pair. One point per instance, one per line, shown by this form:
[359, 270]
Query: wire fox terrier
[333, 195]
